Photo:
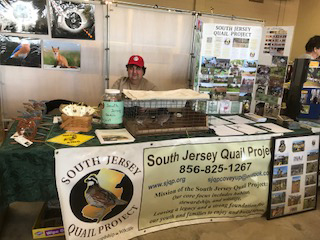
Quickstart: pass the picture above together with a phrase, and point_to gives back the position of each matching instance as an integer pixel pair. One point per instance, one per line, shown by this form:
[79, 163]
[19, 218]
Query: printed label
[112, 112]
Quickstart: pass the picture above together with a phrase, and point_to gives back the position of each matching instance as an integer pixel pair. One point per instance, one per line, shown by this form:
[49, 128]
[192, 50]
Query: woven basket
[81, 124]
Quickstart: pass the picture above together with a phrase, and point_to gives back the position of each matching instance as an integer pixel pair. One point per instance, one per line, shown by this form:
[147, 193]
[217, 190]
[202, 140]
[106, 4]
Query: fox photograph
[61, 55]
[17, 51]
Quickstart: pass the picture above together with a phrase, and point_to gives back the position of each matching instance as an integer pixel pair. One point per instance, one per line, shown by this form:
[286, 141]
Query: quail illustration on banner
[99, 197]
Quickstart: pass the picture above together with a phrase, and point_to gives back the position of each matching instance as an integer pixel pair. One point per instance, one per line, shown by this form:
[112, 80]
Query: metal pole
[106, 46]
[229, 17]
[192, 56]
[156, 7]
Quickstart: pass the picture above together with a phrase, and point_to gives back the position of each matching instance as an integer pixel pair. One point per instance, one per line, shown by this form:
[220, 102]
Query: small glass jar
[112, 112]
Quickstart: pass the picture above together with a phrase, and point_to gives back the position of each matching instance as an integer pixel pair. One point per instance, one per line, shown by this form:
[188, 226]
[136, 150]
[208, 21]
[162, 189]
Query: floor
[21, 216]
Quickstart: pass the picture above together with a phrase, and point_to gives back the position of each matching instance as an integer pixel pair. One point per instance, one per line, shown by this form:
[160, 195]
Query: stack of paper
[255, 117]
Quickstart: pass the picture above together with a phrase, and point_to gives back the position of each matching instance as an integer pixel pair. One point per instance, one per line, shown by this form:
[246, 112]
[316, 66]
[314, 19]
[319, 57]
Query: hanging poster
[294, 175]
[61, 55]
[229, 58]
[72, 20]
[18, 51]
[122, 191]
[27, 16]
[272, 69]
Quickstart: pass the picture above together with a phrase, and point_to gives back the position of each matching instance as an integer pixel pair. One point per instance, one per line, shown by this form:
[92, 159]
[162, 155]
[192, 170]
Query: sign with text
[204, 180]
[120, 192]
[228, 62]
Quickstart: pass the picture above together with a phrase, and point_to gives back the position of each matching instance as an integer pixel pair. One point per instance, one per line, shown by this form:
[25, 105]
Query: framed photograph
[61, 55]
[72, 20]
[20, 51]
[293, 175]
[23, 16]
[112, 136]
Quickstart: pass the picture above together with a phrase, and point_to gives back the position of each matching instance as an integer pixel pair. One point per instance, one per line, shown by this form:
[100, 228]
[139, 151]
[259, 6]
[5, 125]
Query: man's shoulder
[305, 56]
[119, 83]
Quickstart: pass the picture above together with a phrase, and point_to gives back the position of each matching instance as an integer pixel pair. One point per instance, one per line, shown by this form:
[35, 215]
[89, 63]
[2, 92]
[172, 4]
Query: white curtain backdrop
[161, 37]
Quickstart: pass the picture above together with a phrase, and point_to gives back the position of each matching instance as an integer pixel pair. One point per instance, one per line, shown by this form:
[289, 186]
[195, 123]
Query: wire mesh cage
[159, 117]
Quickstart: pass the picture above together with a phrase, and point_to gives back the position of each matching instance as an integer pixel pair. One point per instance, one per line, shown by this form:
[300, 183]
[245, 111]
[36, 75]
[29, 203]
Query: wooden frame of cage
[177, 126]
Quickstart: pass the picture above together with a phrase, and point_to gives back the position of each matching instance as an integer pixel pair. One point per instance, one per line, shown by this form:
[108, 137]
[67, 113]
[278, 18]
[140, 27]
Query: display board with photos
[272, 70]
[228, 61]
[269, 87]
[293, 175]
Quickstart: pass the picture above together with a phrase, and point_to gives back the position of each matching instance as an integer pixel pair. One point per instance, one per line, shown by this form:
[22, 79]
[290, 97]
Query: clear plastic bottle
[112, 112]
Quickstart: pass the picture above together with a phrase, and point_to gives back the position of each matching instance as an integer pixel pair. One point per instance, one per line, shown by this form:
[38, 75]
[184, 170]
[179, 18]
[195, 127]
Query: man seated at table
[135, 79]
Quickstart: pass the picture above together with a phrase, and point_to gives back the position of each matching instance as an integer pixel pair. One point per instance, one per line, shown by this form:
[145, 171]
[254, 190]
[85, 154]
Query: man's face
[135, 74]
[317, 51]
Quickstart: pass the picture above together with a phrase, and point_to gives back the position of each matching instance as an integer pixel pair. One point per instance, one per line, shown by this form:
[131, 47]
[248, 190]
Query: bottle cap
[112, 91]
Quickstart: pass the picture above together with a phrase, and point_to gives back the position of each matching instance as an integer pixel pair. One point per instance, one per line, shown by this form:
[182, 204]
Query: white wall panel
[162, 38]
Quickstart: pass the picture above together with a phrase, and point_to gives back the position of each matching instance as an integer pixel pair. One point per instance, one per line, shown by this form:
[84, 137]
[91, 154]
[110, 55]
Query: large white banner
[123, 191]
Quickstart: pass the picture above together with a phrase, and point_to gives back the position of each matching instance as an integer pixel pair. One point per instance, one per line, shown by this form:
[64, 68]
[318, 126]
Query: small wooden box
[72, 123]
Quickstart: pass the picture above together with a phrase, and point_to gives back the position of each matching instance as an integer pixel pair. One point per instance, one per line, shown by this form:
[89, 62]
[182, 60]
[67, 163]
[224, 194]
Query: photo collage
[228, 64]
[294, 178]
[68, 20]
[272, 71]
[226, 79]
[269, 87]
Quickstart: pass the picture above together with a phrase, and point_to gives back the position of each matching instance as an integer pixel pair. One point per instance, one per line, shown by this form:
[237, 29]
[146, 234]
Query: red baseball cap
[136, 60]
